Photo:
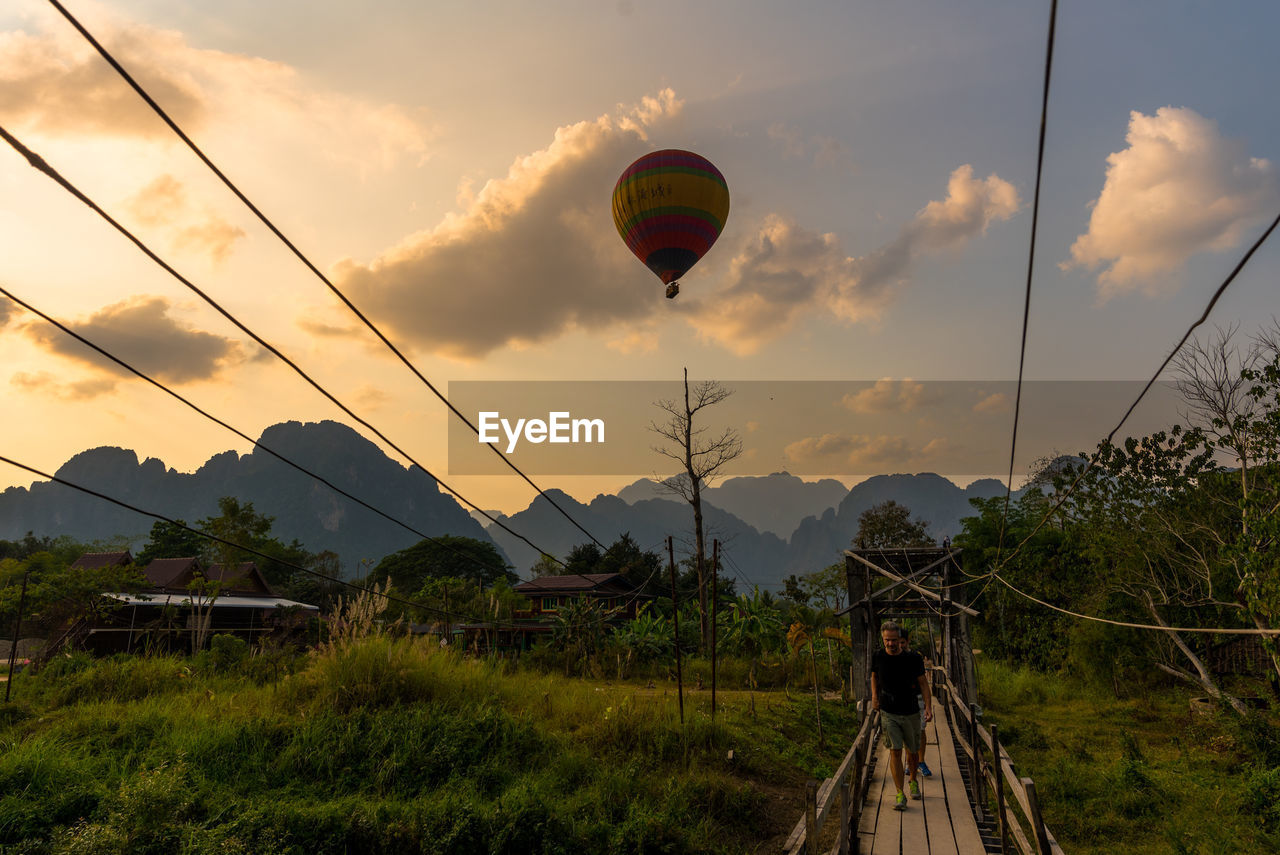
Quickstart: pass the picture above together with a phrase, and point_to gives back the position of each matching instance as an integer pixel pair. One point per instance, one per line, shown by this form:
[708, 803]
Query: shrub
[1262, 797]
[227, 652]
[120, 678]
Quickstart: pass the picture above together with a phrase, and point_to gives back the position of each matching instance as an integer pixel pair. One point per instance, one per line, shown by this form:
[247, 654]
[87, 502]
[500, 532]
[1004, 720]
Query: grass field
[391, 746]
[1139, 775]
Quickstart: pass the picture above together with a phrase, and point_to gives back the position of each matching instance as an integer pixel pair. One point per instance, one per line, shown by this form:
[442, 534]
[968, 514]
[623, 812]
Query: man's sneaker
[900, 803]
[924, 769]
[914, 788]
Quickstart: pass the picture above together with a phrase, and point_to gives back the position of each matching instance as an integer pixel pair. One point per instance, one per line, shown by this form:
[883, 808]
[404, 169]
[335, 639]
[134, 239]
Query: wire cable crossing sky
[450, 173]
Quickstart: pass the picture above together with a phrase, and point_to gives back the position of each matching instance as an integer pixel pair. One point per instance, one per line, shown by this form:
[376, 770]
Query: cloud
[994, 403]
[828, 152]
[53, 82]
[45, 383]
[314, 323]
[970, 207]
[163, 204]
[783, 273]
[8, 311]
[531, 256]
[371, 397]
[888, 396]
[59, 85]
[860, 451]
[813, 448]
[1178, 189]
[778, 276]
[641, 340]
[140, 331]
[789, 137]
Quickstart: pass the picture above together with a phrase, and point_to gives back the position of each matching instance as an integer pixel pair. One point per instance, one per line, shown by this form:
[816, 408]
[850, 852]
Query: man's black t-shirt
[898, 681]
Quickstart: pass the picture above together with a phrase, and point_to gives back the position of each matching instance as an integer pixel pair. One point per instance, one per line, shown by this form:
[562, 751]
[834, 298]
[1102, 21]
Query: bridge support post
[842, 842]
[811, 817]
[1037, 821]
[975, 770]
[861, 630]
[1000, 807]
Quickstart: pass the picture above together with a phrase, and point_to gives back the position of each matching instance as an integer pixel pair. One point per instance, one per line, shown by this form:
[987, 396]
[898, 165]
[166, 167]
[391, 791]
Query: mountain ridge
[744, 513]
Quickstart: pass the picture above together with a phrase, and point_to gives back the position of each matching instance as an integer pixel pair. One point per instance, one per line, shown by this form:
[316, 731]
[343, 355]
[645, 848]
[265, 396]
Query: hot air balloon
[669, 207]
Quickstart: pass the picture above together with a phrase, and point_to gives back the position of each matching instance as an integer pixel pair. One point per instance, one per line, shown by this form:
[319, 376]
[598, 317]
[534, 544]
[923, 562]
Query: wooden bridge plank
[964, 827]
[942, 840]
[879, 819]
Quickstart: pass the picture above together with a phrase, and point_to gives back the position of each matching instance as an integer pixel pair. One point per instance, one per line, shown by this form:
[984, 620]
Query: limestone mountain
[774, 503]
[303, 508]
[750, 556]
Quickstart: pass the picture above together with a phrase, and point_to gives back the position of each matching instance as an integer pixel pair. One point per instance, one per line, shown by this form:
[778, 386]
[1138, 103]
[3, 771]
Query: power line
[1031, 263]
[162, 387]
[41, 165]
[496, 624]
[249, 549]
[142, 93]
[1213, 301]
[1214, 630]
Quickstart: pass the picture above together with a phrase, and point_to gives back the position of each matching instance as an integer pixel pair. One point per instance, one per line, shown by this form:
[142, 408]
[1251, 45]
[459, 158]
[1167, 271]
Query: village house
[184, 604]
[616, 598]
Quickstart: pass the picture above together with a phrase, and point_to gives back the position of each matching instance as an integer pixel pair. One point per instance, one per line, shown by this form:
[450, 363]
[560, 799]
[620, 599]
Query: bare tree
[702, 457]
[1213, 378]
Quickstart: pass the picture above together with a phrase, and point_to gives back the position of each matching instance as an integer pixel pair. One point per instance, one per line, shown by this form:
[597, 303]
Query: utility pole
[715, 592]
[675, 619]
[17, 630]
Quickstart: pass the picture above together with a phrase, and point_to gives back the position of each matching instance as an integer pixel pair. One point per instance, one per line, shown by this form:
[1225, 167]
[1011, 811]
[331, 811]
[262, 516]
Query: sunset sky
[450, 166]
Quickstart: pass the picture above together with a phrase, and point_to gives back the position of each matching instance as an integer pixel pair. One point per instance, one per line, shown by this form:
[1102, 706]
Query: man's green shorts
[900, 731]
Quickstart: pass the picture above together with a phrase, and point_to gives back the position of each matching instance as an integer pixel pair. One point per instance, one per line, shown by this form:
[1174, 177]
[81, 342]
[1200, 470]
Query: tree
[1051, 565]
[828, 587]
[62, 548]
[753, 627]
[240, 526]
[703, 457]
[1203, 536]
[649, 637]
[889, 525]
[57, 593]
[640, 567]
[447, 556]
[582, 559]
[171, 541]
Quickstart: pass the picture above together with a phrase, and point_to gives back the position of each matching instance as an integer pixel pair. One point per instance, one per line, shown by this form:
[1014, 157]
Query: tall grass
[388, 745]
[1138, 775]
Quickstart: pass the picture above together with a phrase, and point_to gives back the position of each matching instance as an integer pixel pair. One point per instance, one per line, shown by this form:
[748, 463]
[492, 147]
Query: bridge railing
[847, 788]
[991, 775]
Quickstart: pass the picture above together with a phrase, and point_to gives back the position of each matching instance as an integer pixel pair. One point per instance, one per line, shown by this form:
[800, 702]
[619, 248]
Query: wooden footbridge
[975, 802]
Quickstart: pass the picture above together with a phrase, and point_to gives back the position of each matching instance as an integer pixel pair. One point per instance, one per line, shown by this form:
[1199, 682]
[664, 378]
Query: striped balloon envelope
[669, 207]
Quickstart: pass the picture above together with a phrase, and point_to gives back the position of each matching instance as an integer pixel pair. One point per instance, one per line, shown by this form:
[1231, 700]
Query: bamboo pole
[675, 620]
[17, 631]
[715, 591]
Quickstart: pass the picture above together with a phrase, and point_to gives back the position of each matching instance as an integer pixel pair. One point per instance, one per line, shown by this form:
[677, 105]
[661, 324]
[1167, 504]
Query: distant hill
[757, 557]
[770, 526]
[774, 503]
[930, 497]
[303, 508]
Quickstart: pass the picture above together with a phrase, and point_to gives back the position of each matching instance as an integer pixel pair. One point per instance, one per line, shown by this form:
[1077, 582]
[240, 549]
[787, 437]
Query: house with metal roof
[186, 604]
[612, 593]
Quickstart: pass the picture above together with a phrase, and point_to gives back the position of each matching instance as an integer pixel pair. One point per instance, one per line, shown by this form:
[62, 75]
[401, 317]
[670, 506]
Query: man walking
[897, 675]
[924, 734]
